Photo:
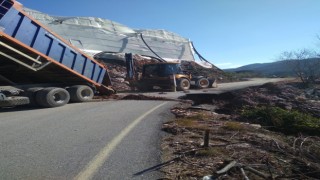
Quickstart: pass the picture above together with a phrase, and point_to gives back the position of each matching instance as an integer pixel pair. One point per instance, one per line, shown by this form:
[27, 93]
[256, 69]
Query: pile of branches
[237, 149]
[204, 144]
[285, 95]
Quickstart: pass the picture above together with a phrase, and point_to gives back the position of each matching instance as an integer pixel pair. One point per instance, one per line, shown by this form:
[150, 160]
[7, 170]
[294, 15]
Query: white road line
[94, 165]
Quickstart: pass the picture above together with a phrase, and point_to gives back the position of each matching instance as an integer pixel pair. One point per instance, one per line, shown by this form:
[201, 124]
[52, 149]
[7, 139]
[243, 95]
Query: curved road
[223, 87]
[98, 140]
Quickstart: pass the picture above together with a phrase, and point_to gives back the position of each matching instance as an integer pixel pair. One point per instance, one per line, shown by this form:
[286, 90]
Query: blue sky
[229, 33]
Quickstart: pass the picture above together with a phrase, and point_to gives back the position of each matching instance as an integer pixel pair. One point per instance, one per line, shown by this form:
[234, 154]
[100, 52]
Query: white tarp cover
[93, 35]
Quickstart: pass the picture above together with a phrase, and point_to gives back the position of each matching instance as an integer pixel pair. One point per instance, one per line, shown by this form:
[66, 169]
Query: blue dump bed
[31, 53]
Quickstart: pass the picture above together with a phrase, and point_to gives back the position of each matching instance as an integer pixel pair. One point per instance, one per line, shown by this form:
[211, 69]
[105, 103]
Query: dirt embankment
[220, 140]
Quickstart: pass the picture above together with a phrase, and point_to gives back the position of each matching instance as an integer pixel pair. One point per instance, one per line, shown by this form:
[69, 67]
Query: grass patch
[199, 116]
[186, 122]
[288, 122]
[192, 121]
[234, 126]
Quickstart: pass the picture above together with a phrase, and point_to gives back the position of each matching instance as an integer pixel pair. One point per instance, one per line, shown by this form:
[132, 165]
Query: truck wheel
[80, 93]
[202, 83]
[14, 101]
[183, 84]
[52, 97]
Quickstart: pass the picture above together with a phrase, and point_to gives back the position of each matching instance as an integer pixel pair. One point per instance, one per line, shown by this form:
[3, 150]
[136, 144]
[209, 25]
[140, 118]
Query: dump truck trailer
[39, 67]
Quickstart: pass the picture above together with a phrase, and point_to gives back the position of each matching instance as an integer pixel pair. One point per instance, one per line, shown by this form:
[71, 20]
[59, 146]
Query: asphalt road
[96, 140]
[223, 87]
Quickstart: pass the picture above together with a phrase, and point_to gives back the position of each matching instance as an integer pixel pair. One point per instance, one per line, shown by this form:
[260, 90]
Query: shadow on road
[156, 167]
[18, 108]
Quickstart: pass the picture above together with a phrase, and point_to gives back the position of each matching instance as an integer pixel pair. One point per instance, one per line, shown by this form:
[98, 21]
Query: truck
[165, 75]
[168, 75]
[40, 68]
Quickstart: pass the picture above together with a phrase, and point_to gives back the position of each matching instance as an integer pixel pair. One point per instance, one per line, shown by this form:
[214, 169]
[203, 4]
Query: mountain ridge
[278, 68]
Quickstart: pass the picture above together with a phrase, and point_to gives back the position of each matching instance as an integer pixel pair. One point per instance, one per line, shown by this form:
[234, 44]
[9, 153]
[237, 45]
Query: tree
[304, 63]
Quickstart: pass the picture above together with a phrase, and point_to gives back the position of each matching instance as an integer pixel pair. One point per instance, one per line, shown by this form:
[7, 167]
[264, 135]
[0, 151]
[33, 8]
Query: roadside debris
[238, 149]
[143, 97]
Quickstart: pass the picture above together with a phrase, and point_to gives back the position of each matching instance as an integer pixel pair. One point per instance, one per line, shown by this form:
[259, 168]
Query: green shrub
[288, 122]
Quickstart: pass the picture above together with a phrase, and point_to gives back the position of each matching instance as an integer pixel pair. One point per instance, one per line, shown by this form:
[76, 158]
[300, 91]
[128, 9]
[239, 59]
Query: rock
[121, 80]
[240, 145]
[256, 126]
[209, 177]
[309, 92]
[313, 93]
[206, 107]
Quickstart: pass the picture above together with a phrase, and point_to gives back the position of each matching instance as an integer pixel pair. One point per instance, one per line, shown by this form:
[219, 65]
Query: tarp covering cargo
[93, 35]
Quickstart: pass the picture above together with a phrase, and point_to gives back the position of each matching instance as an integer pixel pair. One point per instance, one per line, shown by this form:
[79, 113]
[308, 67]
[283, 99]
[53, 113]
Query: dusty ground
[237, 149]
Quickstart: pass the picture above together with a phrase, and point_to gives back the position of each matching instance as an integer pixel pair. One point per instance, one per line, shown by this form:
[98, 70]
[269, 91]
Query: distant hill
[278, 68]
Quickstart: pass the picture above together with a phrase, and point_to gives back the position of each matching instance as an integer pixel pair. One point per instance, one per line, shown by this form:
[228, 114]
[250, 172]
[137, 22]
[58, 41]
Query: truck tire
[52, 97]
[202, 83]
[14, 101]
[80, 93]
[183, 84]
